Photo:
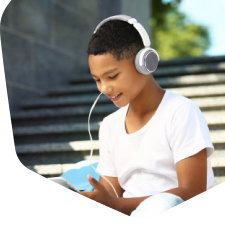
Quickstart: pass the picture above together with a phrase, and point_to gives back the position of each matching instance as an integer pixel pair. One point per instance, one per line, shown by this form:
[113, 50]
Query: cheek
[133, 86]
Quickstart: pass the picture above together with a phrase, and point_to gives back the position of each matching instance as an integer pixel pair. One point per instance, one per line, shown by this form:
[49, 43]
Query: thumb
[93, 182]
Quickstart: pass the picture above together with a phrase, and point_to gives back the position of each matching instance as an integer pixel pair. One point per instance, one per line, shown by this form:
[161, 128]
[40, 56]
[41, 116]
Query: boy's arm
[114, 181]
[192, 180]
[192, 176]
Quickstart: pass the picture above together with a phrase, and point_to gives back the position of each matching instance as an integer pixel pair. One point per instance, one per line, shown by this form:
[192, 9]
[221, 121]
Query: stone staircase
[51, 134]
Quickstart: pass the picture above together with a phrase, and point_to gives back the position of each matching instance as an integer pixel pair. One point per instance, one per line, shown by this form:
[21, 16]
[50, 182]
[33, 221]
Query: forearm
[127, 205]
[181, 192]
[185, 193]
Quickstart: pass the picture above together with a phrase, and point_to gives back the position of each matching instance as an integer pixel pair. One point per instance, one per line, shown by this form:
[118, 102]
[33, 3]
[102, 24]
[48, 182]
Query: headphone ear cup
[150, 61]
[141, 69]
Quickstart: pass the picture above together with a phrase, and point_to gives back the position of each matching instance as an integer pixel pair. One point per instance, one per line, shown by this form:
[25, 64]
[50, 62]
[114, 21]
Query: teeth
[116, 95]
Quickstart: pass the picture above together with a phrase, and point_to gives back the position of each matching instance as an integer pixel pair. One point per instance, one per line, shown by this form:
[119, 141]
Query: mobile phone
[62, 181]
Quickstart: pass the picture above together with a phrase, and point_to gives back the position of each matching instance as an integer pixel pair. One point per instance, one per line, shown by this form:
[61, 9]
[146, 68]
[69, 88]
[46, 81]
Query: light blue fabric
[155, 205]
[77, 175]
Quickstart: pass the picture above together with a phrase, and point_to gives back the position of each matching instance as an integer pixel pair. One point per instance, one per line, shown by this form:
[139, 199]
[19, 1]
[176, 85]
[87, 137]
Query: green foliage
[173, 35]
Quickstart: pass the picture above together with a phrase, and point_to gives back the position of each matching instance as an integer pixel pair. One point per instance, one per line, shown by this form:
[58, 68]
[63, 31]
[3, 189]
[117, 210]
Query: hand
[100, 194]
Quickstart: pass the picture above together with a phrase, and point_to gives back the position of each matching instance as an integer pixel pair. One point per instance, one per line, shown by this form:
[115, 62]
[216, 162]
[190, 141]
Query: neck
[148, 100]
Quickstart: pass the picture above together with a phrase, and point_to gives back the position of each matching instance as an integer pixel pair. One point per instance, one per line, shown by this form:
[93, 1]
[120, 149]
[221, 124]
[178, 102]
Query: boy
[154, 149]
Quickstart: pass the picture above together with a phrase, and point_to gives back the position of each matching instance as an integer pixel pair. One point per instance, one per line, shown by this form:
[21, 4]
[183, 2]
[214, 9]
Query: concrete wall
[44, 42]
[139, 9]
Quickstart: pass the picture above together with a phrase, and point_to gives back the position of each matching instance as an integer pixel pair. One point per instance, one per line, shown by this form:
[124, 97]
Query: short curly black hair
[118, 38]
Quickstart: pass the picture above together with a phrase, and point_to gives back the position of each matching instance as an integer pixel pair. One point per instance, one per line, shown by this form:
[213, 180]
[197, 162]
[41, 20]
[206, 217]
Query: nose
[105, 88]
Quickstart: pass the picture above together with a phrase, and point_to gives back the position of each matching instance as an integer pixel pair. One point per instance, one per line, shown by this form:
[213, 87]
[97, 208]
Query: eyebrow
[107, 72]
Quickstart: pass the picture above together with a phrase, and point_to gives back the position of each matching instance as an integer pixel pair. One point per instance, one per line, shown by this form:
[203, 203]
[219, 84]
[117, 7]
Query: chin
[120, 105]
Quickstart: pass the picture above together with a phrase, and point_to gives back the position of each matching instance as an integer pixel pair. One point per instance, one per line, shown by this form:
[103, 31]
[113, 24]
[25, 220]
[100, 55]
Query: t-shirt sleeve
[105, 166]
[189, 133]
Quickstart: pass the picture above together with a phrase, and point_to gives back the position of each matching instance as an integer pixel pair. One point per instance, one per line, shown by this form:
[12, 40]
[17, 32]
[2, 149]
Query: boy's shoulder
[174, 101]
[176, 106]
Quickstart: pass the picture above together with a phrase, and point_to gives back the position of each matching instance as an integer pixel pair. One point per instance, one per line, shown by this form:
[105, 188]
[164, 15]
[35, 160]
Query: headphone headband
[130, 20]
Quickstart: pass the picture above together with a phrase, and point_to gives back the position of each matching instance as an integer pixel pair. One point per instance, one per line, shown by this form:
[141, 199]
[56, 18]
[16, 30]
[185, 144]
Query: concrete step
[74, 151]
[218, 159]
[217, 137]
[73, 90]
[81, 79]
[200, 91]
[55, 157]
[53, 116]
[205, 103]
[52, 170]
[217, 162]
[212, 118]
[77, 146]
[55, 153]
[89, 98]
[85, 99]
[62, 112]
[218, 180]
[215, 119]
[190, 69]
[191, 61]
[55, 129]
[210, 103]
[191, 80]
[85, 77]
[79, 131]
[62, 116]
[171, 81]
[187, 81]
[109, 108]
[57, 120]
[54, 133]
[172, 70]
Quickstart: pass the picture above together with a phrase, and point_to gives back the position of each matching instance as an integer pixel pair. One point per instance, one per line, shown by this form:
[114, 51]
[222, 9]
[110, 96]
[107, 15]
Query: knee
[156, 204]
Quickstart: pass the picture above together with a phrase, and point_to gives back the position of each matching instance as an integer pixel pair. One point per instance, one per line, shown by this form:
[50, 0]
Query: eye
[113, 77]
[96, 80]
[109, 77]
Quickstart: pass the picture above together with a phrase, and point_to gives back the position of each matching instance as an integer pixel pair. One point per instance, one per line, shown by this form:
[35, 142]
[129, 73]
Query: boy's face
[116, 77]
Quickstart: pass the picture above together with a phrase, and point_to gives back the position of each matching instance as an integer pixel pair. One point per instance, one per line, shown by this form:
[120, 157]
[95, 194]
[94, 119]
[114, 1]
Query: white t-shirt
[144, 161]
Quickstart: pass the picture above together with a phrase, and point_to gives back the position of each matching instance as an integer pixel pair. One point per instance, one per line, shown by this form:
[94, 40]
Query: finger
[93, 182]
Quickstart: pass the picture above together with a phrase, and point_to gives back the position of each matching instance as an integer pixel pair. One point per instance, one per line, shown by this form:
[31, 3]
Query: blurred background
[183, 28]
[50, 90]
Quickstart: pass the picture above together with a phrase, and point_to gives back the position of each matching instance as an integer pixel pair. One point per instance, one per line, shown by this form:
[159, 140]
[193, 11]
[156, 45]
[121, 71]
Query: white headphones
[147, 59]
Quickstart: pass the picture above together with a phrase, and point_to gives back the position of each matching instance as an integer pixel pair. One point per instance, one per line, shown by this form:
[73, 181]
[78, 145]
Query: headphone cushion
[150, 61]
[139, 68]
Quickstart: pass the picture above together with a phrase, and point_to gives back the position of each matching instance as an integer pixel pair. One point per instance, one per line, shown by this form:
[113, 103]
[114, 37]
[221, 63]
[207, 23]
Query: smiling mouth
[116, 97]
